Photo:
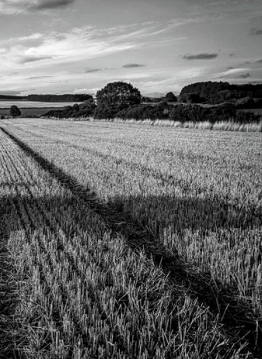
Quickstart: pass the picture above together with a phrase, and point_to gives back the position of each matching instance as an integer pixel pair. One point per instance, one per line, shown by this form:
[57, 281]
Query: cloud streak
[203, 56]
[51, 4]
[14, 7]
[55, 49]
[131, 66]
[74, 46]
[92, 70]
[27, 59]
[234, 72]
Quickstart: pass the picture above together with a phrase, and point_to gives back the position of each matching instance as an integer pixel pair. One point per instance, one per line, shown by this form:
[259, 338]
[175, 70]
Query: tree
[170, 97]
[14, 111]
[115, 97]
[76, 107]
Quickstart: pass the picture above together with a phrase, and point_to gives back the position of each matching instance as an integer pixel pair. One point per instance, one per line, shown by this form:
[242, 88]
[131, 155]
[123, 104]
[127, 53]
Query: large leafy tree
[115, 97]
[170, 97]
[14, 111]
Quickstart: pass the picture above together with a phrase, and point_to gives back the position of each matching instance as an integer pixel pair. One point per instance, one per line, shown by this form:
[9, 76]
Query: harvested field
[127, 241]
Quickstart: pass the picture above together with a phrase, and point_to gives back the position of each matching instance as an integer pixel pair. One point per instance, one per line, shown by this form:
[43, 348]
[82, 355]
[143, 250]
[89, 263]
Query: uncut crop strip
[176, 268]
[66, 314]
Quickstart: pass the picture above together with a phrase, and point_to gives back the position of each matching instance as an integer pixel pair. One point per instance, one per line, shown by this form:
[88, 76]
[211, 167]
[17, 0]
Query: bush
[247, 117]
[223, 112]
[15, 111]
[189, 113]
[245, 102]
[142, 112]
[192, 98]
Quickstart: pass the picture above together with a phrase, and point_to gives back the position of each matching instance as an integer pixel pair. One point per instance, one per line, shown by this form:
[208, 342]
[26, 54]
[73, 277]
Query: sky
[79, 46]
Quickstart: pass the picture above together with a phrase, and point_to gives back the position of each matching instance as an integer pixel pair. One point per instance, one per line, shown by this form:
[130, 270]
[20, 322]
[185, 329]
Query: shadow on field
[221, 300]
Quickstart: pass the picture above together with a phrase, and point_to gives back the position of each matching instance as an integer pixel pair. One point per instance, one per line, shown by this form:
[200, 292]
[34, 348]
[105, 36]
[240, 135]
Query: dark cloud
[231, 55]
[204, 56]
[259, 61]
[255, 31]
[51, 4]
[34, 58]
[92, 70]
[245, 76]
[130, 66]
[230, 68]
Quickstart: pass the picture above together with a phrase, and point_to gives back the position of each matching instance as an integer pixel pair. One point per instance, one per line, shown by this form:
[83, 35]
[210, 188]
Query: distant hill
[154, 94]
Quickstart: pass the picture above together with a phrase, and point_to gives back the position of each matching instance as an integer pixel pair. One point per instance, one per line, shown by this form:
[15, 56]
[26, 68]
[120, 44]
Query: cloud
[52, 4]
[26, 6]
[231, 72]
[55, 49]
[92, 70]
[255, 31]
[259, 61]
[32, 40]
[131, 66]
[27, 59]
[204, 56]
[245, 76]
[74, 46]
[38, 77]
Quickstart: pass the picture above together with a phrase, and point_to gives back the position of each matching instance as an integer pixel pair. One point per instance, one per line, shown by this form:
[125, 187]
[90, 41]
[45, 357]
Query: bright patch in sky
[69, 46]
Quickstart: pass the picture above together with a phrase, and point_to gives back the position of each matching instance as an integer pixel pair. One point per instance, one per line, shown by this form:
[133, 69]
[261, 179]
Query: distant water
[34, 104]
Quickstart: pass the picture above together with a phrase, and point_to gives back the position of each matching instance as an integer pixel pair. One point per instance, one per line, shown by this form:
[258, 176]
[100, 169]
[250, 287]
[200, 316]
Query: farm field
[30, 111]
[6, 104]
[128, 241]
[31, 108]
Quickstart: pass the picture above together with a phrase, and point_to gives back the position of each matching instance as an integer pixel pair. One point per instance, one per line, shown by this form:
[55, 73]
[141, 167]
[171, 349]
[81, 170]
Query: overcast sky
[78, 46]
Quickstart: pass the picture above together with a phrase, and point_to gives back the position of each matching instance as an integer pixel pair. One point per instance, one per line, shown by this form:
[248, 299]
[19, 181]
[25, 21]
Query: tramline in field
[132, 242]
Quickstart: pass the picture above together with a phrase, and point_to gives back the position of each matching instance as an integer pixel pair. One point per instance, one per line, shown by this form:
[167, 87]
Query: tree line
[122, 100]
[59, 98]
[49, 97]
[218, 92]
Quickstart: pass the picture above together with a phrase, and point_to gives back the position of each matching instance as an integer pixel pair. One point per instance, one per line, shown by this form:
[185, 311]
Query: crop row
[200, 195]
[82, 292]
